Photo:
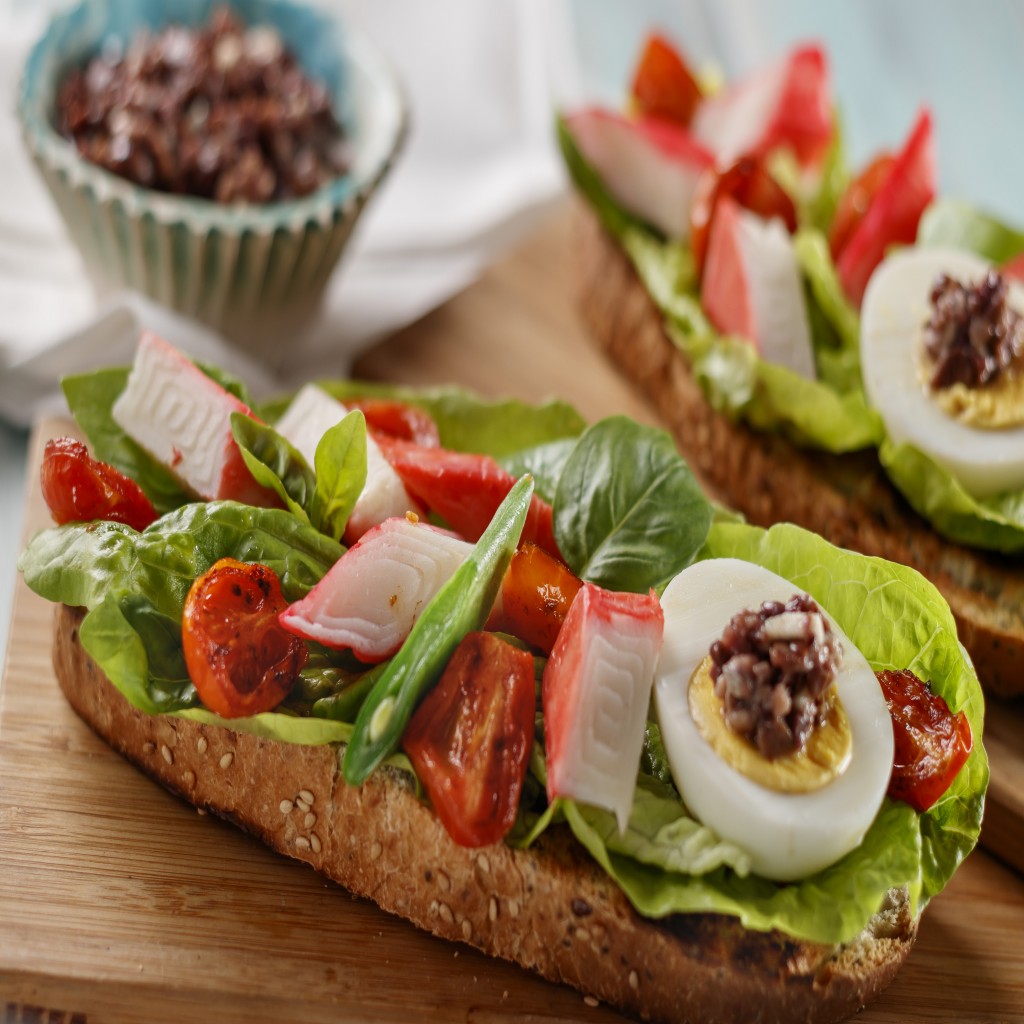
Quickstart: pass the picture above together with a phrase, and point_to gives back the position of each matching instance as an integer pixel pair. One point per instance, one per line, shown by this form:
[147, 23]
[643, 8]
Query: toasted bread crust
[550, 909]
[846, 498]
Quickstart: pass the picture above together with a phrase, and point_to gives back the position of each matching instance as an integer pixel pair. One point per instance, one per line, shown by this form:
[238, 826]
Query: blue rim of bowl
[47, 144]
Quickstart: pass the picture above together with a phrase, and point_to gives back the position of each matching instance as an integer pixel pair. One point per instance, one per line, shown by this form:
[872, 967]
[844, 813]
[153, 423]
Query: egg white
[788, 835]
[895, 309]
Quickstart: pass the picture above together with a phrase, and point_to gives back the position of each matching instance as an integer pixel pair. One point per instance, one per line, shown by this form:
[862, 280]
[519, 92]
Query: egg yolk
[823, 758]
[994, 407]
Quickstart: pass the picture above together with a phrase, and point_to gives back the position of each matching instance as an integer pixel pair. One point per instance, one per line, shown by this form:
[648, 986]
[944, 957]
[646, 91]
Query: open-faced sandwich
[839, 351]
[516, 680]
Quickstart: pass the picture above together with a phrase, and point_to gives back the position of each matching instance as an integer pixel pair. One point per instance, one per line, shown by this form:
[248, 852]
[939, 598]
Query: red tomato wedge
[663, 85]
[748, 183]
[536, 595]
[932, 743]
[894, 213]
[464, 489]
[859, 195]
[596, 692]
[471, 736]
[397, 419]
[79, 488]
[241, 660]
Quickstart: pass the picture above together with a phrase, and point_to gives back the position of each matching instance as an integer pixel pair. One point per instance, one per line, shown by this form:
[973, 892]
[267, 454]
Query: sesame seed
[444, 881]
[201, 811]
[314, 841]
[310, 820]
[483, 863]
[375, 850]
[165, 753]
[148, 748]
[492, 909]
[513, 907]
[302, 805]
[190, 778]
[467, 929]
[225, 761]
[285, 806]
[433, 907]
[592, 1001]
[302, 843]
[201, 744]
[307, 796]
[634, 980]
[446, 913]
[582, 934]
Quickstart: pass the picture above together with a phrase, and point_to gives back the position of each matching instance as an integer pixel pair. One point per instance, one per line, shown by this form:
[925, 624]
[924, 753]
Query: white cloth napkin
[479, 168]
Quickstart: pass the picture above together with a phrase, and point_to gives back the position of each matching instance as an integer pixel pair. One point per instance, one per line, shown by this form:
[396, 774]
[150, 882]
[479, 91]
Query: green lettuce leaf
[996, 524]
[464, 421]
[954, 223]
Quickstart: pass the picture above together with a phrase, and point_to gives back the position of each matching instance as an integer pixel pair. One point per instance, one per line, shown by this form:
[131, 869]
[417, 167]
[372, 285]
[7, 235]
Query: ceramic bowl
[255, 273]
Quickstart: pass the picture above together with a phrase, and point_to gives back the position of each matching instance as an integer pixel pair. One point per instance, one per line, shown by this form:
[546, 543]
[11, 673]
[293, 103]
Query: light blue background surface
[962, 58]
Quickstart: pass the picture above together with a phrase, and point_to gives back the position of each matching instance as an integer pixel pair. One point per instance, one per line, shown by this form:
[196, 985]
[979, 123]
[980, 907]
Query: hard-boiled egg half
[896, 308]
[788, 835]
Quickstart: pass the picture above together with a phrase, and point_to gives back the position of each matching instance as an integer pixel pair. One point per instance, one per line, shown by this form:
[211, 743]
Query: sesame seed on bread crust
[847, 499]
[550, 909]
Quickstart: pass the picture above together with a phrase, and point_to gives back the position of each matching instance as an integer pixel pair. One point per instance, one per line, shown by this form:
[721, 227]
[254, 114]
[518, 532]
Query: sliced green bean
[458, 608]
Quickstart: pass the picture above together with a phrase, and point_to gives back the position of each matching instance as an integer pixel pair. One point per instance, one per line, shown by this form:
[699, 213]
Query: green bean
[458, 608]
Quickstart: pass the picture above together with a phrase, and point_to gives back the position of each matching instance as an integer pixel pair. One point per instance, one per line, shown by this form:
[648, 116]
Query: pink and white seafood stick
[372, 596]
[785, 105]
[310, 415]
[651, 167]
[596, 692]
[751, 287]
[183, 419]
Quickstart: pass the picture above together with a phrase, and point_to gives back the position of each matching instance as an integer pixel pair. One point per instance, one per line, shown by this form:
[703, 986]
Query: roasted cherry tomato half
[931, 742]
[749, 184]
[856, 200]
[471, 736]
[398, 419]
[78, 488]
[663, 85]
[240, 658]
[536, 594]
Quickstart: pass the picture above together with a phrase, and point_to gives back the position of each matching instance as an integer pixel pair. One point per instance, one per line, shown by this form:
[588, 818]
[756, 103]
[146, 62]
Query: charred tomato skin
[663, 84]
[536, 595]
[470, 738]
[240, 658]
[79, 488]
[932, 743]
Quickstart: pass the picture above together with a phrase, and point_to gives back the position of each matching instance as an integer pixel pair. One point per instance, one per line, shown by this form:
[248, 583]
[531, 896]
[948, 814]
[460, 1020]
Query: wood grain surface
[120, 904]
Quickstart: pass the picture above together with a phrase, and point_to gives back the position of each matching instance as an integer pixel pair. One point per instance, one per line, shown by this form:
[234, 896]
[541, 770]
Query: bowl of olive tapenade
[214, 158]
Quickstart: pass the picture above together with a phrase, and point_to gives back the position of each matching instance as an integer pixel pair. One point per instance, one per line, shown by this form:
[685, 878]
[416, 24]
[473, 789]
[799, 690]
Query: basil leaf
[544, 462]
[340, 462]
[274, 463]
[628, 514]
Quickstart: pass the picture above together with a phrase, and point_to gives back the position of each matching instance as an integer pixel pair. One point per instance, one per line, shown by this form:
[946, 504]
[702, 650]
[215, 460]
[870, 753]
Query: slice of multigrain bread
[846, 498]
[550, 909]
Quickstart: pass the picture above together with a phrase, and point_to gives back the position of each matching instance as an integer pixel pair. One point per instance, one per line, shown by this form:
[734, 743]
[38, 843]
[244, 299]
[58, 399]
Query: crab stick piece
[596, 691]
[310, 415]
[752, 288]
[372, 596]
[650, 166]
[784, 105]
[182, 418]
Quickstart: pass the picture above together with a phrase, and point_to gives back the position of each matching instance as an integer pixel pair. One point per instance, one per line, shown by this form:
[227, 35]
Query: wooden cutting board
[120, 904]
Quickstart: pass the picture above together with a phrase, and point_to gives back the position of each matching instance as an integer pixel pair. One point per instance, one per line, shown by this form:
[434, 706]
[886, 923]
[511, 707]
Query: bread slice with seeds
[550, 909]
[847, 499]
